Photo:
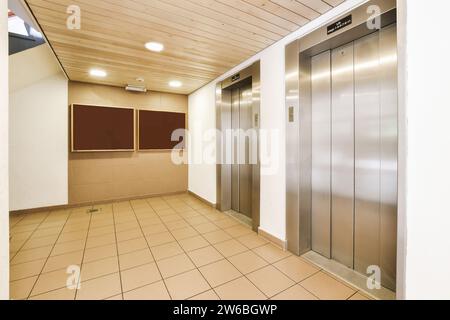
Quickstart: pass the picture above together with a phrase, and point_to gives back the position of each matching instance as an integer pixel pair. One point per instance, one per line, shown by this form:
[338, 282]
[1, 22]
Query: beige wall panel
[95, 177]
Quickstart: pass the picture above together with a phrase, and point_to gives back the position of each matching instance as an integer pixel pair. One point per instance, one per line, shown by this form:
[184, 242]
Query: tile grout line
[117, 245]
[82, 258]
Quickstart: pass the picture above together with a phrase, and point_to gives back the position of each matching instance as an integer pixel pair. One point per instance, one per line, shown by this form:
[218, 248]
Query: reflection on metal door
[354, 153]
[241, 193]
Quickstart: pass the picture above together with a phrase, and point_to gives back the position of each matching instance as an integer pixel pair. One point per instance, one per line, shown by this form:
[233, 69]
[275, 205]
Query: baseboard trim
[94, 203]
[276, 241]
[202, 199]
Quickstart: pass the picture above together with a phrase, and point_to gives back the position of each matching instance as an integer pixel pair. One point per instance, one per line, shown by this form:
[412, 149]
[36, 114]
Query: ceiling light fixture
[154, 46]
[98, 73]
[175, 84]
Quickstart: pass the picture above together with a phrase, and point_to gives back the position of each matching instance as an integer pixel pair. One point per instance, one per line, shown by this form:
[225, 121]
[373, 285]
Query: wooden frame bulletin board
[155, 130]
[98, 128]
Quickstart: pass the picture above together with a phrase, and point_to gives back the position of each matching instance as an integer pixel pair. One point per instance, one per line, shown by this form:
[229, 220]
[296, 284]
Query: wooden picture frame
[72, 136]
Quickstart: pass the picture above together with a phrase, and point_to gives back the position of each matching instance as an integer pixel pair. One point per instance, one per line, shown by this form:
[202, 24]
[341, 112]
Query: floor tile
[60, 294]
[155, 291]
[68, 247]
[21, 289]
[359, 297]
[154, 229]
[219, 273]
[194, 243]
[171, 218]
[129, 235]
[296, 268]
[252, 241]
[115, 298]
[46, 232]
[131, 245]
[230, 248]
[135, 259]
[175, 265]
[100, 288]
[184, 233]
[195, 221]
[186, 285]
[40, 242]
[206, 296]
[140, 276]
[26, 270]
[175, 225]
[166, 251]
[158, 239]
[270, 281]
[204, 256]
[240, 289]
[99, 268]
[31, 255]
[101, 241]
[206, 227]
[133, 225]
[271, 254]
[101, 231]
[327, 288]
[150, 221]
[51, 281]
[100, 253]
[226, 223]
[296, 292]
[247, 262]
[72, 236]
[217, 236]
[63, 261]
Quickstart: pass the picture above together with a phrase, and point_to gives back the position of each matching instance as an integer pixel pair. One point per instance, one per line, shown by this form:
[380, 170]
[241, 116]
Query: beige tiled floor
[171, 247]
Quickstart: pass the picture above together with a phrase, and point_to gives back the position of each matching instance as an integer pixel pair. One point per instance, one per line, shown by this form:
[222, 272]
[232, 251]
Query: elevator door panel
[389, 156]
[321, 153]
[343, 156]
[245, 167]
[367, 152]
[235, 124]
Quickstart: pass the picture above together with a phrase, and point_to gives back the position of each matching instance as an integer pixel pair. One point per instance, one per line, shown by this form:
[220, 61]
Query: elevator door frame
[299, 114]
[224, 123]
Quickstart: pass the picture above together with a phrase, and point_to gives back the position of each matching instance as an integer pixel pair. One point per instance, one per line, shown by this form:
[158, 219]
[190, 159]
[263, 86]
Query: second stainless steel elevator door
[241, 180]
[354, 154]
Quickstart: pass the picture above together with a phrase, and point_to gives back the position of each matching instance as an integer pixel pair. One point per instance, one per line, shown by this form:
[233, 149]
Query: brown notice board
[156, 128]
[101, 128]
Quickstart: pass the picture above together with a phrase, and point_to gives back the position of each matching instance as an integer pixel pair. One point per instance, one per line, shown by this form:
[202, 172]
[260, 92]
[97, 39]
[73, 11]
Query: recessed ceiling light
[154, 46]
[98, 73]
[175, 84]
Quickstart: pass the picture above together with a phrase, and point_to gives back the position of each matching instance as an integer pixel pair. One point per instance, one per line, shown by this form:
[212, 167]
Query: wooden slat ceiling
[202, 38]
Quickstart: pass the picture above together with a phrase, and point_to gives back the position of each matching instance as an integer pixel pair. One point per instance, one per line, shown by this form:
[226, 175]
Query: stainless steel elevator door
[235, 125]
[367, 152]
[241, 180]
[343, 155]
[321, 153]
[355, 154]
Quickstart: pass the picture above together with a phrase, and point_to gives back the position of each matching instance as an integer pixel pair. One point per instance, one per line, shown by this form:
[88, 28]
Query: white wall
[38, 130]
[202, 118]
[4, 198]
[273, 186]
[425, 150]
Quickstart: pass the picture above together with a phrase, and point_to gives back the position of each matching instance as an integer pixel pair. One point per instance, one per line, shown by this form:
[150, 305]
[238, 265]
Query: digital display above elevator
[340, 24]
